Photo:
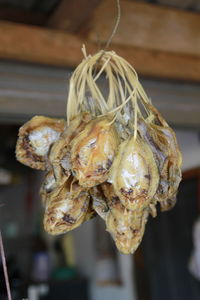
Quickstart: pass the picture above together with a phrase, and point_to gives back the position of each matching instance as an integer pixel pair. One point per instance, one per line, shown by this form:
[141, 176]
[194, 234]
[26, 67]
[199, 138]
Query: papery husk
[67, 208]
[128, 229]
[125, 226]
[99, 201]
[35, 139]
[60, 154]
[134, 174]
[162, 140]
[93, 151]
[48, 186]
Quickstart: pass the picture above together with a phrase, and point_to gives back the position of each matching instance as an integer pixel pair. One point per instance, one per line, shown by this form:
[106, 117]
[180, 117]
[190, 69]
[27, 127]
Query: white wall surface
[84, 241]
[189, 142]
[126, 291]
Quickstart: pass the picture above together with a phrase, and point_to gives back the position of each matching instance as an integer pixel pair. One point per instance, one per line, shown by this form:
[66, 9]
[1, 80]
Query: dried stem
[125, 93]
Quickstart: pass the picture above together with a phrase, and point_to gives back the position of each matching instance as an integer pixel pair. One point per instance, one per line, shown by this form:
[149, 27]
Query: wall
[84, 240]
[189, 142]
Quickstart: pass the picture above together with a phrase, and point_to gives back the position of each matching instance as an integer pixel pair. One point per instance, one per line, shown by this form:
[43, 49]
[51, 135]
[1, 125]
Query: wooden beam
[53, 47]
[148, 26]
[191, 173]
[40, 45]
[22, 16]
[70, 14]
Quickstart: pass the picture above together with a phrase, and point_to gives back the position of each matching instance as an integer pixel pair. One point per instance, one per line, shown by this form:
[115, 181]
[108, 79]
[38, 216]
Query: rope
[3, 258]
[116, 25]
[112, 34]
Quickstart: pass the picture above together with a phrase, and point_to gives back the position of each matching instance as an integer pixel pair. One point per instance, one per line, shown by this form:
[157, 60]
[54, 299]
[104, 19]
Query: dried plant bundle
[115, 156]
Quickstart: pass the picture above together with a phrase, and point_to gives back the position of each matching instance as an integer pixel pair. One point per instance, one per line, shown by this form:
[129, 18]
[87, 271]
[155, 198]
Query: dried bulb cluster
[108, 160]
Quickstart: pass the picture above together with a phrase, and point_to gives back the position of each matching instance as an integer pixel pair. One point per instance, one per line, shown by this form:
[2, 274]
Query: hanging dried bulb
[87, 169]
[171, 172]
[35, 138]
[67, 208]
[162, 140]
[134, 174]
[93, 151]
[59, 156]
[127, 229]
[125, 226]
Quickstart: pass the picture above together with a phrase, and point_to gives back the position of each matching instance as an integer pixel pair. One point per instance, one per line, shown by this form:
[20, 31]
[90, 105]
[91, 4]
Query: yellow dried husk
[93, 151]
[35, 139]
[60, 155]
[162, 140]
[125, 226]
[134, 174]
[67, 208]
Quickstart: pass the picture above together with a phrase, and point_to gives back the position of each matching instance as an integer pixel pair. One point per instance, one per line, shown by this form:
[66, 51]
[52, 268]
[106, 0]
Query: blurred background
[40, 45]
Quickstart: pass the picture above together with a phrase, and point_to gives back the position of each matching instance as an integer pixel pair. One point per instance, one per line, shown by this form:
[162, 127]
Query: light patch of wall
[126, 291]
[86, 258]
[189, 142]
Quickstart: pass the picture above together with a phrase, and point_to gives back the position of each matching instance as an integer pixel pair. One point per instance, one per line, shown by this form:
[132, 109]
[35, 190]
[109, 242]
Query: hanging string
[111, 36]
[3, 259]
[115, 27]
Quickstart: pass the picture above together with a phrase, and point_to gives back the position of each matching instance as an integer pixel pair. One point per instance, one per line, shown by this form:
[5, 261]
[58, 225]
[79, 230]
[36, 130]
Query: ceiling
[47, 6]
[162, 33]
[37, 12]
[43, 6]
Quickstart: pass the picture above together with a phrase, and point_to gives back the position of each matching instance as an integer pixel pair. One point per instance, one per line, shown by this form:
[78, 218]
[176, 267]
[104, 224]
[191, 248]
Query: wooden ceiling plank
[70, 14]
[39, 45]
[191, 173]
[148, 26]
[22, 16]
